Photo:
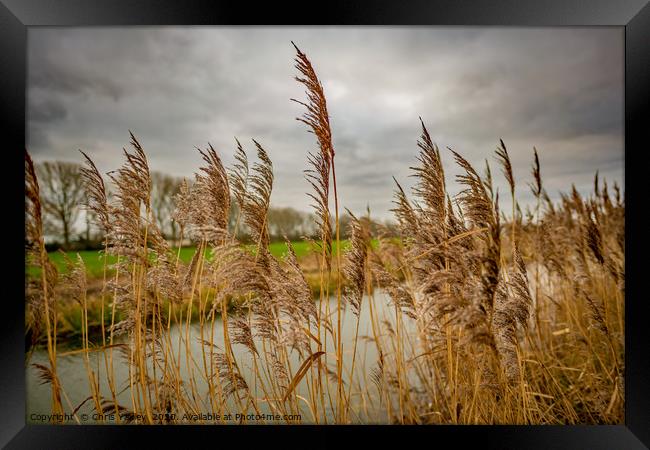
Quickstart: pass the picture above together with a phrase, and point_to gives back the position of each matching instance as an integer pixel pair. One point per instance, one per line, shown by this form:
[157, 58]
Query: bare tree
[287, 222]
[62, 196]
[163, 189]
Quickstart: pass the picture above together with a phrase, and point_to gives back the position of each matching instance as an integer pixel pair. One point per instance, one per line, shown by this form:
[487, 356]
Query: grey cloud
[46, 111]
[181, 87]
[56, 79]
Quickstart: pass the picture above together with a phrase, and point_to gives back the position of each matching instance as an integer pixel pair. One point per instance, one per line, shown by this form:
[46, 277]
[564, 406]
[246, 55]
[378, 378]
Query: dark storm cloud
[560, 90]
[46, 111]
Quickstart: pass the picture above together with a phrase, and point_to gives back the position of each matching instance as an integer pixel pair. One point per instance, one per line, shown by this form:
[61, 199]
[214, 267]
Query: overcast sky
[176, 88]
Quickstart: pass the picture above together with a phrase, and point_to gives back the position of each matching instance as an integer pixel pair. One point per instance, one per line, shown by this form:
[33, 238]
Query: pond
[366, 406]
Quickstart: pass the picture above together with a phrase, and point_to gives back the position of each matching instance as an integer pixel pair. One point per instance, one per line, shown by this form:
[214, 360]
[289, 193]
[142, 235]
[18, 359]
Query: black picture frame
[16, 16]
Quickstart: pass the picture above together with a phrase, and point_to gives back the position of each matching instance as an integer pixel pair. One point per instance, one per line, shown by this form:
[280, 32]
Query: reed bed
[491, 318]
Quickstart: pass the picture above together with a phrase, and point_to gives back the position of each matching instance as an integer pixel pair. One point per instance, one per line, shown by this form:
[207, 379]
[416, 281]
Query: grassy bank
[95, 260]
[70, 313]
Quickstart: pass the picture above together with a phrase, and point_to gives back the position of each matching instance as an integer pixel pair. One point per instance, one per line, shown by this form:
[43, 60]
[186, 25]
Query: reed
[468, 324]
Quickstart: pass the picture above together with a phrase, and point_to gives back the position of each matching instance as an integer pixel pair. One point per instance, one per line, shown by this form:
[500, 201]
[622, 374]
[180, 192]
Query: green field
[94, 259]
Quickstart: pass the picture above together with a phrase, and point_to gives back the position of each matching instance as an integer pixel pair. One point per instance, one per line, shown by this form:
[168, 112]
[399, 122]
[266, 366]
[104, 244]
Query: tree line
[69, 226]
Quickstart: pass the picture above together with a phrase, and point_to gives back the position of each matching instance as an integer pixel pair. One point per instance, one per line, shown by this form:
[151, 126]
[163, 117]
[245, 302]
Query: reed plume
[204, 208]
[40, 298]
[133, 189]
[479, 208]
[430, 176]
[317, 120]
[258, 199]
[294, 299]
[97, 200]
[239, 177]
[536, 187]
[235, 274]
[504, 160]
[39, 291]
[354, 266]
[511, 309]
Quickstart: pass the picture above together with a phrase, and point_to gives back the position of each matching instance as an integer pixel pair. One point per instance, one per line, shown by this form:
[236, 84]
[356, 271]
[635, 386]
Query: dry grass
[490, 322]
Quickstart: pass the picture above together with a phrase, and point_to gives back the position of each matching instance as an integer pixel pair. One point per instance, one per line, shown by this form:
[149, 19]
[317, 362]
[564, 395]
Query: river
[73, 376]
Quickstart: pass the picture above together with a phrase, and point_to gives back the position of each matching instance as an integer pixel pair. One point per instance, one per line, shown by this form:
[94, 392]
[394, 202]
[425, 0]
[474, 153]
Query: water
[73, 373]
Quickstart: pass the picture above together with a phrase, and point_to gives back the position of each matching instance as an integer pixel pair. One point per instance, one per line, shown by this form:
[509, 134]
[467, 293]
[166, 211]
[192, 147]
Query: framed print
[380, 219]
